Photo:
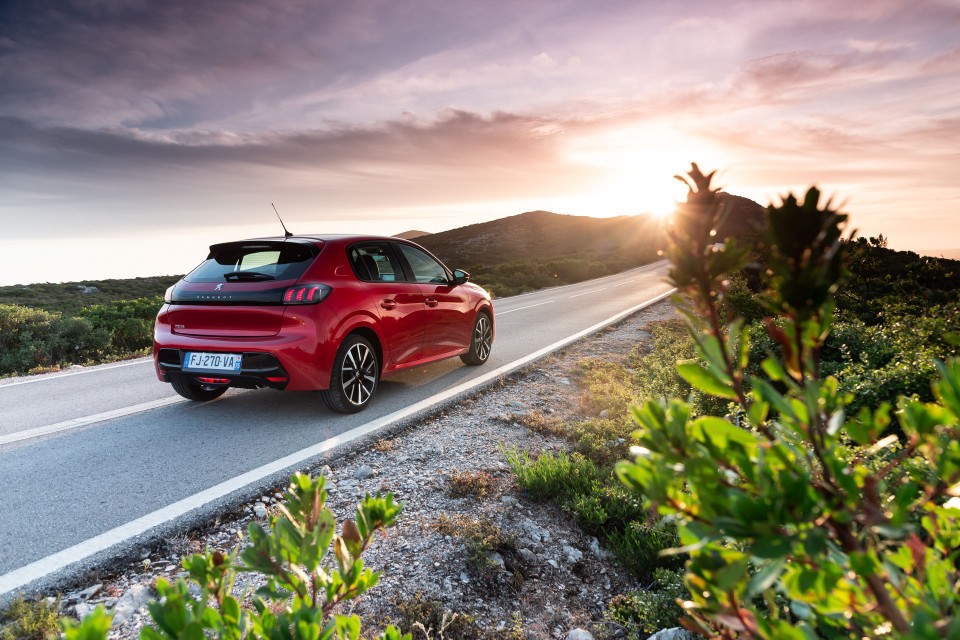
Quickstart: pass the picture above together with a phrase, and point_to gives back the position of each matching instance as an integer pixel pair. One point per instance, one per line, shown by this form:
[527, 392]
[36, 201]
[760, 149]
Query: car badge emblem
[218, 287]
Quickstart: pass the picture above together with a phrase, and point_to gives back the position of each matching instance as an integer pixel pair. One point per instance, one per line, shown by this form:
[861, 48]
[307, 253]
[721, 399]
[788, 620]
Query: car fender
[487, 305]
[361, 319]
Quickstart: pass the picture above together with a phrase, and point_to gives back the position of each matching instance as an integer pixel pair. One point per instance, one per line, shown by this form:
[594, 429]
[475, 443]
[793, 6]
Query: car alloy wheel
[480, 342]
[355, 376]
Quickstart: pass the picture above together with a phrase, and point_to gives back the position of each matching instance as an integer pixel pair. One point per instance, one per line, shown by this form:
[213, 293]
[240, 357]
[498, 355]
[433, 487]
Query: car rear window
[254, 261]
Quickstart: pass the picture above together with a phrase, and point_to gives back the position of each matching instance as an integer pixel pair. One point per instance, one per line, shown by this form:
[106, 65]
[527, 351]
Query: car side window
[425, 268]
[375, 263]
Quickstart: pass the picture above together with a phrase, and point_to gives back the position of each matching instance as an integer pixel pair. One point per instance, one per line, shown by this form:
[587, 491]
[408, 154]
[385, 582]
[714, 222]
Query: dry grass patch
[470, 484]
[536, 421]
[384, 445]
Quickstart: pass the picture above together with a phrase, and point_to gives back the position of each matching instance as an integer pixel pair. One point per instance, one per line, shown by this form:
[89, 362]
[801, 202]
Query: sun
[638, 163]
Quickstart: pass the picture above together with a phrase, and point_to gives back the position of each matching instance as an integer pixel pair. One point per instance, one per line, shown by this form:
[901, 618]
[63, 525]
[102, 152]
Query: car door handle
[431, 302]
[389, 304]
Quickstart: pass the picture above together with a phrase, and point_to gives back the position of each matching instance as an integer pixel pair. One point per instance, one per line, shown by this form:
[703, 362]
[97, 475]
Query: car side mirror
[460, 277]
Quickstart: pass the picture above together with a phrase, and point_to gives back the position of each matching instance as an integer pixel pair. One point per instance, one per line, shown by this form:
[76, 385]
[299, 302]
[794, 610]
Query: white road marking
[73, 423]
[19, 578]
[57, 376]
[529, 306]
[623, 284]
[577, 295]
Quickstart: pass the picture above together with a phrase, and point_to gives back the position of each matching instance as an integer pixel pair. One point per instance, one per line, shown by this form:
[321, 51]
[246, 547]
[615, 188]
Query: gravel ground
[552, 579]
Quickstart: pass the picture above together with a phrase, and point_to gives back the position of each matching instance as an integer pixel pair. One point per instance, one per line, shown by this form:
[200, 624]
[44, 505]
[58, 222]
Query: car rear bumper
[258, 370]
[297, 359]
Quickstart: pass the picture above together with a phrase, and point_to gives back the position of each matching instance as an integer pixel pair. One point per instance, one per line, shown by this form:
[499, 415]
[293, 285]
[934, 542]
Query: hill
[540, 249]
[412, 235]
[542, 235]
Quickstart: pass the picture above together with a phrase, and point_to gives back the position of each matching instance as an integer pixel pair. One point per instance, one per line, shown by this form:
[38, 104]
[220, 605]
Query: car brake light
[207, 380]
[306, 294]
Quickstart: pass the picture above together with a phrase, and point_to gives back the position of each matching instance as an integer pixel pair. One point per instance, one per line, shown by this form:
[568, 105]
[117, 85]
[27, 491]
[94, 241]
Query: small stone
[553, 563]
[579, 634]
[129, 603]
[599, 551]
[528, 556]
[603, 416]
[674, 633]
[464, 578]
[447, 585]
[260, 510]
[363, 473]
[572, 555]
[497, 560]
[90, 591]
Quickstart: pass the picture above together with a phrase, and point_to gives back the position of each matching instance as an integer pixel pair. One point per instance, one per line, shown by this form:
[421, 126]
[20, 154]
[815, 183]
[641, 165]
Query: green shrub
[602, 440]
[605, 387]
[642, 613]
[303, 584]
[801, 520]
[30, 620]
[600, 504]
[32, 339]
[27, 338]
[655, 367]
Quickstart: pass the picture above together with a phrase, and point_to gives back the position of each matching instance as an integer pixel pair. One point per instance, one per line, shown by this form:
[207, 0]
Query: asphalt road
[96, 462]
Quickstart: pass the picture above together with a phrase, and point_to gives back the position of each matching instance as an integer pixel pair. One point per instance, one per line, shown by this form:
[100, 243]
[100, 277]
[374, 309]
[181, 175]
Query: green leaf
[766, 577]
[705, 380]
[722, 433]
[771, 547]
[765, 391]
[93, 626]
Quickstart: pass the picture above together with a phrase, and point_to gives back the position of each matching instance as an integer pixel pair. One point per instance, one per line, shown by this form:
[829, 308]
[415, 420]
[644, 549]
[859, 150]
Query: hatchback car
[328, 313]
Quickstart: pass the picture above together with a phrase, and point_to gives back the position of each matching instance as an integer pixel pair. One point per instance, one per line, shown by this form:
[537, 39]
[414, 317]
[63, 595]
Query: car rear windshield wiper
[247, 275]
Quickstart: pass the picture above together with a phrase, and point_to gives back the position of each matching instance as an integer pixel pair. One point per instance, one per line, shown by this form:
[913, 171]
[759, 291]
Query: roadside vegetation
[808, 508]
[828, 354]
[306, 567]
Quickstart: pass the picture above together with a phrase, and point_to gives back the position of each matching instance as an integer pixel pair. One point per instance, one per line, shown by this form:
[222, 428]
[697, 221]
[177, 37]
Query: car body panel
[300, 342]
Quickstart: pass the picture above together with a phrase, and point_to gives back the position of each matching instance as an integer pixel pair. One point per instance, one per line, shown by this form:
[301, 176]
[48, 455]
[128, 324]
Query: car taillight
[305, 294]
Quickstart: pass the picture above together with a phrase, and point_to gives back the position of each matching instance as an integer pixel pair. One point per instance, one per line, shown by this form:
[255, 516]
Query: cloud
[458, 157]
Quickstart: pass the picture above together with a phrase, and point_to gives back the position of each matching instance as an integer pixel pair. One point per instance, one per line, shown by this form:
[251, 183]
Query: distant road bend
[97, 462]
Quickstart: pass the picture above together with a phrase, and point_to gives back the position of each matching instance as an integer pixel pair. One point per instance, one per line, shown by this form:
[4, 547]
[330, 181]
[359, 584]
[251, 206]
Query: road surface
[95, 462]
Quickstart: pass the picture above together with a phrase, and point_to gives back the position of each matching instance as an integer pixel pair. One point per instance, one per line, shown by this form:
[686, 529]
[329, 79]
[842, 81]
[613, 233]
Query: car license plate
[198, 360]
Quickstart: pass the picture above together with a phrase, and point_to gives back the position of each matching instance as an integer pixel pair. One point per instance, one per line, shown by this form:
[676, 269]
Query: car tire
[356, 373]
[196, 392]
[481, 340]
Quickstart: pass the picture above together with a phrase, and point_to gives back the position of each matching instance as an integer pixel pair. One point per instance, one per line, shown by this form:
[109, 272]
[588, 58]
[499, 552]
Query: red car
[330, 313]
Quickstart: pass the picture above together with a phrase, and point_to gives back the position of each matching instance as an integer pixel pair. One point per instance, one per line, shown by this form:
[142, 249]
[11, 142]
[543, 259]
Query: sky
[135, 133]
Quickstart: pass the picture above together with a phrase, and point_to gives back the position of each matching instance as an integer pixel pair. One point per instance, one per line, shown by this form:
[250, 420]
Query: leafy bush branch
[801, 520]
[302, 588]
